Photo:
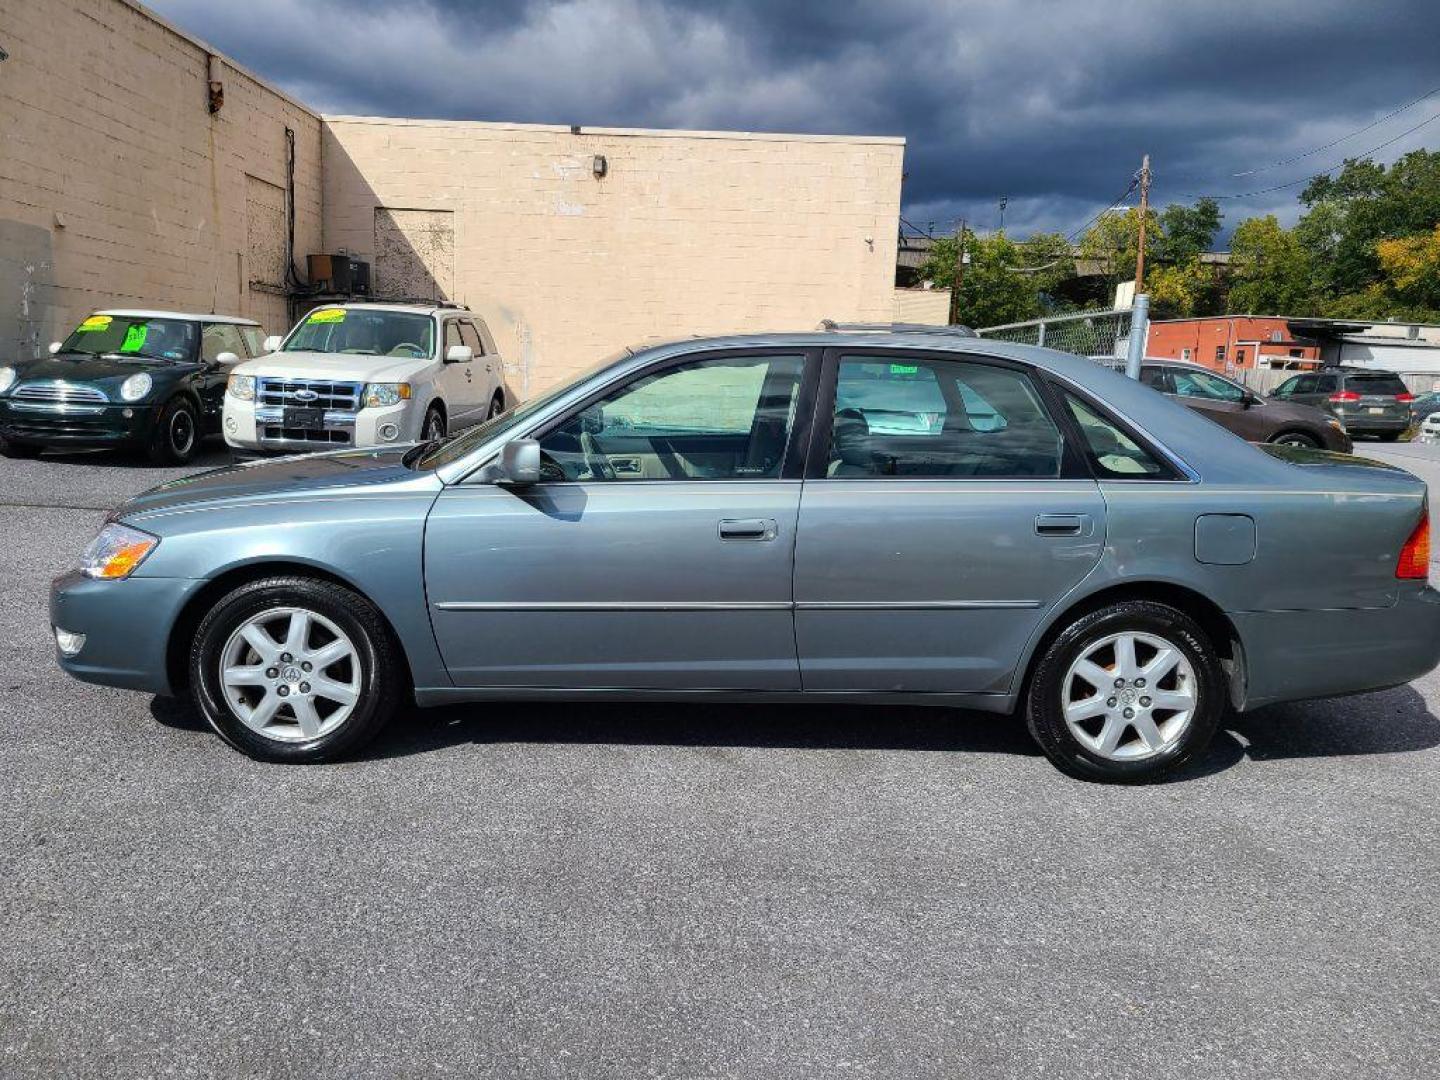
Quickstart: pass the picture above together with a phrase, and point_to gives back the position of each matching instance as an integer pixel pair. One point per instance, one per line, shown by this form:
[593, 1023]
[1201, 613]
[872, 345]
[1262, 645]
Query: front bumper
[78, 426]
[1294, 655]
[126, 624]
[259, 429]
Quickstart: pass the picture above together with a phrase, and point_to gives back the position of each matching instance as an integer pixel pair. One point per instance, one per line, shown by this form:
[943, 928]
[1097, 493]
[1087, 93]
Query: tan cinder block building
[122, 187]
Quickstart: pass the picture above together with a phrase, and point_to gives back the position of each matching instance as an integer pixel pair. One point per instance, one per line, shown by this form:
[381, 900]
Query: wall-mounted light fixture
[4, 56]
[599, 166]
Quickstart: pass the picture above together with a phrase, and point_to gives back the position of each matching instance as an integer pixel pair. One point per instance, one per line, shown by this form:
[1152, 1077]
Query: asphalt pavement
[694, 891]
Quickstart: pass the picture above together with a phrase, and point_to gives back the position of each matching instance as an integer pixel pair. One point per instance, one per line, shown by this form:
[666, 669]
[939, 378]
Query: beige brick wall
[925, 307]
[688, 232]
[117, 186]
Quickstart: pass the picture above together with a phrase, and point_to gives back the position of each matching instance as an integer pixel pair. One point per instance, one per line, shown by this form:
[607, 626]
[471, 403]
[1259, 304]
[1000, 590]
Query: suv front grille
[309, 394]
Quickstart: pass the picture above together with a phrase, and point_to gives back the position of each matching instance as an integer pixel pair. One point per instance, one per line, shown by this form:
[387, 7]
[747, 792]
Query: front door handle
[1062, 524]
[748, 529]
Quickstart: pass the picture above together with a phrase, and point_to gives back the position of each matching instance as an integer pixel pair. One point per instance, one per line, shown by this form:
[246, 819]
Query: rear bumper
[1362, 424]
[126, 625]
[1294, 655]
[101, 425]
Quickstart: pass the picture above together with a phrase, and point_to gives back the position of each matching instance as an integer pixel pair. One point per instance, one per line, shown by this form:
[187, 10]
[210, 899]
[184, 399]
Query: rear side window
[469, 335]
[1113, 453]
[1380, 382]
[939, 419]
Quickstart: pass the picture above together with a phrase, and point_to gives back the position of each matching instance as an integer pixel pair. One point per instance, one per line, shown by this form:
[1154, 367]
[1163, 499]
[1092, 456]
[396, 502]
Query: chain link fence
[1087, 333]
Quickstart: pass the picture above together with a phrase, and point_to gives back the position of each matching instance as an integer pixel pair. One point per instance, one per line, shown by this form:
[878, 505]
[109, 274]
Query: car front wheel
[1296, 438]
[295, 669]
[1126, 694]
[176, 440]
[434, 426]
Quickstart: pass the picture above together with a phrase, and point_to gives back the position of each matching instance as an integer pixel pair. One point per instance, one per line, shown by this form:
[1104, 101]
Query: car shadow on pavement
[1389, 722]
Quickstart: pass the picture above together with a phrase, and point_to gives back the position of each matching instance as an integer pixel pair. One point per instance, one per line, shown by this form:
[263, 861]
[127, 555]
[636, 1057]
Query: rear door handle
[748, 529]
[1062, 524]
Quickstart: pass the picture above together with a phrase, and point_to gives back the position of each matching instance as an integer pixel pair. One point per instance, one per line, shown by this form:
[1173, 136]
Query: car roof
[187, 316]
[412, 309]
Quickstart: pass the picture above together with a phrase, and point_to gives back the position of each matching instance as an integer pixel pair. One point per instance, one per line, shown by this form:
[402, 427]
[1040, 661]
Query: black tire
[12, 449]
[433, 426]
[1297, 438]
[497, 405]
[381, 683]
[176, 439]
[1044, 701]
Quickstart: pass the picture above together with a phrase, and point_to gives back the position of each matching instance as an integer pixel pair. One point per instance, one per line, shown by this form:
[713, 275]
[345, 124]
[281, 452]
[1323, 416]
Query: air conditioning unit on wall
[343, 274]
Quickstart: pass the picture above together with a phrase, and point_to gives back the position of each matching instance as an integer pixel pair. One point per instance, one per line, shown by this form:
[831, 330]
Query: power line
[1323, 172]
[1134, 183]
[1343, 138]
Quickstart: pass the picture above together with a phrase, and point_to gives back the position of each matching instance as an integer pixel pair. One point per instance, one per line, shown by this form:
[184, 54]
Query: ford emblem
[305, 395]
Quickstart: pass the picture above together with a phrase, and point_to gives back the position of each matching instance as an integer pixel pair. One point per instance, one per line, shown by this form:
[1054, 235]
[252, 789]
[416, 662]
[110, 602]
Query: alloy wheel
[182, 432]
[1129, 696]
[290, 674]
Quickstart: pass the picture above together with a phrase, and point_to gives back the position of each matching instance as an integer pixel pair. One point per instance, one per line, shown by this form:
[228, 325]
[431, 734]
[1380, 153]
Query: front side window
[1201, 384]
[364, 332]
[932, 418]
[133, 337]
[726, 418]
[1112, 452]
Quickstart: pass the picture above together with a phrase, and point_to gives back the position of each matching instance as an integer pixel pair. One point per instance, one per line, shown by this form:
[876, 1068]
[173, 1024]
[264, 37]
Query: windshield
[457, 446]
[133, 337]
[364, 332]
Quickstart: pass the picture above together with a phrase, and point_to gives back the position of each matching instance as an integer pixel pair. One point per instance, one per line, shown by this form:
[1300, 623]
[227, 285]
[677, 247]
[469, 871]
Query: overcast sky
[1050, 103]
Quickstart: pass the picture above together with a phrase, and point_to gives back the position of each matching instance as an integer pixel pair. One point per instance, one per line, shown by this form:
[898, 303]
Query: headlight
[386, 393]
[7, 378]
[116, 552]
[241, 387]
[136, 387]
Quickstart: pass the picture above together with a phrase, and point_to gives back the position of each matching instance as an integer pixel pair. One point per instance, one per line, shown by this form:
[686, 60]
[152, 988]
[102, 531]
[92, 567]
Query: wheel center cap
[290, 674]
[1128, 696]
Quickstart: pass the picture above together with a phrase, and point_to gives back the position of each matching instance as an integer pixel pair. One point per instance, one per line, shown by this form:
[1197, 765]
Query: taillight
[1345, 395]
[1405, 399]
[1415, 555]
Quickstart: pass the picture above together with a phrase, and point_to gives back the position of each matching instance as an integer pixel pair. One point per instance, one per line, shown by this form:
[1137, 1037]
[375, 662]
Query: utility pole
[1144, 210]
[959, 273]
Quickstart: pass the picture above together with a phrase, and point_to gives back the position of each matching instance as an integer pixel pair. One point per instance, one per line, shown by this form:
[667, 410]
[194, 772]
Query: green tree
[1187, 231]
[1270, 270]
[1003, 281]
[1114, 242]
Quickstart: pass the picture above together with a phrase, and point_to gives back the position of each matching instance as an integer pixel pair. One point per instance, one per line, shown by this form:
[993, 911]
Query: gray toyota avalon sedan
[844, 516]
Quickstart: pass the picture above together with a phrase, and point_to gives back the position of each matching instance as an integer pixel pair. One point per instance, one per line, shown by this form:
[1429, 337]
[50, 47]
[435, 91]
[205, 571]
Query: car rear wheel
[295, 669]
[1126, 694]
[176, 440]
[1296, 438]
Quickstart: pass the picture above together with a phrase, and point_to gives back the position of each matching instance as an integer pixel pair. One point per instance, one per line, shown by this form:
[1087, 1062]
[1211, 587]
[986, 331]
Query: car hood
[79, 368]
[306, 476]
[351, 367]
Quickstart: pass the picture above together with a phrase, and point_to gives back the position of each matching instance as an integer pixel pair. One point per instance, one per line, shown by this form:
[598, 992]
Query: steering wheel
[595, 459]
[415, 350]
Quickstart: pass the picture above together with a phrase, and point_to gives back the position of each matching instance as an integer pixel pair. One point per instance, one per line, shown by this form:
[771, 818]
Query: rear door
[460, 386]
[487, 368]
[1383, 396]
[944, 513]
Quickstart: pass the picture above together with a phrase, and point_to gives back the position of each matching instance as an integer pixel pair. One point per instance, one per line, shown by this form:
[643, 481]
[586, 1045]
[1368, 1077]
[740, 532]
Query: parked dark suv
[1367, 402]
[1242, 411]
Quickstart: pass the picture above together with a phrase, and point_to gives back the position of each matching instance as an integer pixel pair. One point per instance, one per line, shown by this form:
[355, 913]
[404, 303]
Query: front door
[943, 516]
[1220, 400]
[217, 340]
[656, 553]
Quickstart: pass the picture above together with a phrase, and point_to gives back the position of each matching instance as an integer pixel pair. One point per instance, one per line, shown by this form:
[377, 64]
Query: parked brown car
[1246, 413]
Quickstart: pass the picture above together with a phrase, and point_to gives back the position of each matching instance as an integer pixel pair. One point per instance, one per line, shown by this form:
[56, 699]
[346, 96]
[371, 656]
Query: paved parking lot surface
[598, 891]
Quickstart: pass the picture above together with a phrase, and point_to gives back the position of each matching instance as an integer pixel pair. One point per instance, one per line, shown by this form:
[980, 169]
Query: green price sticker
[93, 323]
[904, 369]
[327, 315]
[135, 338]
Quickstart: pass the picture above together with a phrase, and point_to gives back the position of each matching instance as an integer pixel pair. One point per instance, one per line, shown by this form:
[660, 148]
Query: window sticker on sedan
[135, 338]
[904, 369]
[93, 324]
[327, 315]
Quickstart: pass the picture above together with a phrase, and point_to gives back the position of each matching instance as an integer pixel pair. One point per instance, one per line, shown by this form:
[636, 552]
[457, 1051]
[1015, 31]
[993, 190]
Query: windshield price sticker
[93, 323]
[327, 315]
[135, 338]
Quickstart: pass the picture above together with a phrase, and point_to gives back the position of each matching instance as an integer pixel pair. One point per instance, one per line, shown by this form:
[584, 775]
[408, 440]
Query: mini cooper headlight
[116, 552]
[386, 393]
[7, 378]
[136, 387]
[241, 387]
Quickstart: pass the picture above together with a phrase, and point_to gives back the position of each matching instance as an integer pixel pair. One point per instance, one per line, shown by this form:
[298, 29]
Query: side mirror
[459, 354]
[1251, 400]
[225, 359]
[54, 347]
[273, 343]
[517, 466]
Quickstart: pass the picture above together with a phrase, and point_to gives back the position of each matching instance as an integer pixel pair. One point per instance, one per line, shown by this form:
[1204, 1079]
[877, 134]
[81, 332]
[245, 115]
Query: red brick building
[1233, 342]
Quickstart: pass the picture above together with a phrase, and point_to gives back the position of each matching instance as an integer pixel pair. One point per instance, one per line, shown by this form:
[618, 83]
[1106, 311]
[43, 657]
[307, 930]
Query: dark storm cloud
[1049, 103]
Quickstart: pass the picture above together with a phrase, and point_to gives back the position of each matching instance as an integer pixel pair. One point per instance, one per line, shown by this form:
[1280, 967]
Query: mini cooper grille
[310, 394]
[58, 393]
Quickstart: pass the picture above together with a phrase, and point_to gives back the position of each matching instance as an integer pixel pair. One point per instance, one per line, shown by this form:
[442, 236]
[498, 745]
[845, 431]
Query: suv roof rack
[830, 325]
